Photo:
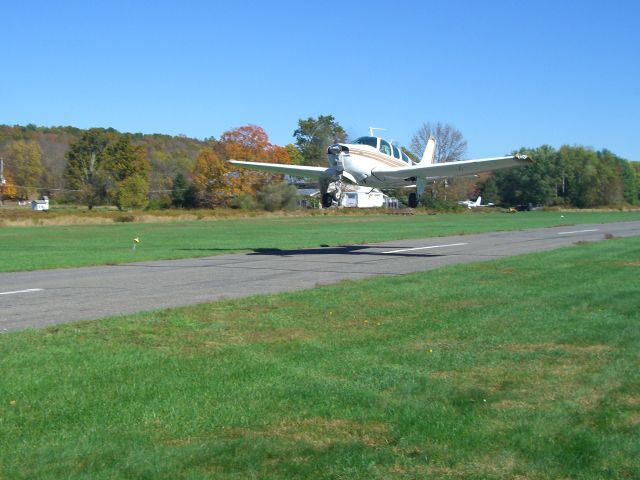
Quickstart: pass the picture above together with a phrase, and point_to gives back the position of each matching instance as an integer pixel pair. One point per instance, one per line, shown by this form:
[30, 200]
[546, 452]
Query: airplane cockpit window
[406, 158]
[396, 151]
[385, 147]
[371, 141]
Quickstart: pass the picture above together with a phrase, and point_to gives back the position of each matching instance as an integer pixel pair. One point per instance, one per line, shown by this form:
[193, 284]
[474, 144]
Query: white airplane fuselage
[357, 163]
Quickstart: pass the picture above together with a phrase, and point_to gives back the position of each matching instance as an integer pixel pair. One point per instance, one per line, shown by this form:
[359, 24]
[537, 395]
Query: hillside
[168, 155]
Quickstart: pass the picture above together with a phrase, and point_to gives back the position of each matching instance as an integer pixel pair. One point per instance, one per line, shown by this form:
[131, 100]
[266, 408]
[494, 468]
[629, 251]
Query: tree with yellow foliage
[211, 179]
[25, 165]
[8, 189]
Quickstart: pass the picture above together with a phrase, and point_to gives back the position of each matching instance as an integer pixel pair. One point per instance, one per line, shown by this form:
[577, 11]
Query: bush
[277, 196]
[244, 202]
[441, 205]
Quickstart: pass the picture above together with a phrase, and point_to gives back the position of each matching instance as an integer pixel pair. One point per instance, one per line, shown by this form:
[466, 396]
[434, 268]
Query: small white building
[363, 198]
[40, 205]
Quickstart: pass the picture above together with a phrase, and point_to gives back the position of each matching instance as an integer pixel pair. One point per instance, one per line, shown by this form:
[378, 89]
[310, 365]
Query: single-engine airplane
[471, 204]
[374, 162]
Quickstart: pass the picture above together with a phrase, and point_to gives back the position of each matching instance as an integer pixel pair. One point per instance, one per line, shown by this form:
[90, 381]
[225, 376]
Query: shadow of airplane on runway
[339, 250]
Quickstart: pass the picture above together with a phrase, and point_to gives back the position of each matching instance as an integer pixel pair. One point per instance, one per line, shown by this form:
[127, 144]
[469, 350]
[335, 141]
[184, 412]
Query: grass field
[40, 247]
[525, 368]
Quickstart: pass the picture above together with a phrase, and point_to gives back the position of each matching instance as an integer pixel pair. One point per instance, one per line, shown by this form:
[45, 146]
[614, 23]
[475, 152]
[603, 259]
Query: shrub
[277, 196]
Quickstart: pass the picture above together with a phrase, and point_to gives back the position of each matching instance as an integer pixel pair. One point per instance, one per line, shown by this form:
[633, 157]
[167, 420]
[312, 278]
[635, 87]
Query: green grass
[525, 367]
[40, 247]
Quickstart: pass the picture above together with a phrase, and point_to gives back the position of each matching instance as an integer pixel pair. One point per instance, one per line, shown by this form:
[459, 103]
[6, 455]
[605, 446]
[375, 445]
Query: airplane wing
[449, 169]
[293, 170]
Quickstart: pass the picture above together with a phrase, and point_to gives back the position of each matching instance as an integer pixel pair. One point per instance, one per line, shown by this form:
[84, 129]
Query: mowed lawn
[41, 247]
[526, 367]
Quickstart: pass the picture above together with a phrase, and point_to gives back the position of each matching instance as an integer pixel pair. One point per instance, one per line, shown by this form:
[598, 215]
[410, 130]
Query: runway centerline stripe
[425, 248]
[578, 231]
[28, 290]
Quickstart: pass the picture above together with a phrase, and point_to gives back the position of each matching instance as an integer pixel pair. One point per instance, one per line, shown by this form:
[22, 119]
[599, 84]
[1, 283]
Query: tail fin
[429, 152]
[478, 201]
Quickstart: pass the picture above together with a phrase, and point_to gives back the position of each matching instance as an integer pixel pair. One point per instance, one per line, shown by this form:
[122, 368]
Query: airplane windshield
[371, 141]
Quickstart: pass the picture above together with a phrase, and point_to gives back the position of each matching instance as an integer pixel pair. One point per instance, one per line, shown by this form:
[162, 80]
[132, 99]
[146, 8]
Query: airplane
[374, 162]
[476, 204]
[470, 204]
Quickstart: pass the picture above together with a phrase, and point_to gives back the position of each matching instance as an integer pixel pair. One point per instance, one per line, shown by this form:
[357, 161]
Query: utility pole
[2, 181]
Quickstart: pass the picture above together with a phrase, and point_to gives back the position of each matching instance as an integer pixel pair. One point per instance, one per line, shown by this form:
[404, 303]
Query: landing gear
[327, 200]
[335, 195]
[413, 200]
[414, 197]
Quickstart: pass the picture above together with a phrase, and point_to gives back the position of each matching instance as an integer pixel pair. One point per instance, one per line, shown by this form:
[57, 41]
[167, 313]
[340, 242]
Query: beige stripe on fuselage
[378, 157]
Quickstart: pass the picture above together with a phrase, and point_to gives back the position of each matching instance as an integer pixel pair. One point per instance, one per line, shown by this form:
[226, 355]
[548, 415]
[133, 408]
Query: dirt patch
[277, 335]
[321, 432]
[542, 347]
[512, 404]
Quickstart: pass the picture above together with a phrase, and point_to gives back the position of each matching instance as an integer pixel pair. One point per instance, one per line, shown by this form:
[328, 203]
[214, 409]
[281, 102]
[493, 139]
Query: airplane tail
[429, 154]
[478, 201]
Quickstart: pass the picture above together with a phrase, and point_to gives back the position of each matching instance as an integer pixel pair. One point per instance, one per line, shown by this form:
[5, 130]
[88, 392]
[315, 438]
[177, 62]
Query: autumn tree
[250, 142]
[211, 180]
[8, 187]
[314, 135]
[23, 161]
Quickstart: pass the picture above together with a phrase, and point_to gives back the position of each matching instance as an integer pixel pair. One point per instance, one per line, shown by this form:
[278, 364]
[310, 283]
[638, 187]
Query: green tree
[313, 136]
[489, 191]
[133, 192]
[536, 183]
[294, 154]
[123, 160]
[178, 190]
[583, 176]
[630, 183]
[85, 170]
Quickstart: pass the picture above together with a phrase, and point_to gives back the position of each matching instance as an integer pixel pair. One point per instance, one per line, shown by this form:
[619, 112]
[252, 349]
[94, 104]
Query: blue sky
[506, 73]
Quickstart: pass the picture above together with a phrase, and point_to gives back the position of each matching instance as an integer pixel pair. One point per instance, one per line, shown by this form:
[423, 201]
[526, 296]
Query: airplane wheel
[413, 200]
[327, 200]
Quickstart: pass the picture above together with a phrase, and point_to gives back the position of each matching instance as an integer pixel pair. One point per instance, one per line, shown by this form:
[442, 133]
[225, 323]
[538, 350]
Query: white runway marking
[424, 248]
[578, 231]
[28, 290]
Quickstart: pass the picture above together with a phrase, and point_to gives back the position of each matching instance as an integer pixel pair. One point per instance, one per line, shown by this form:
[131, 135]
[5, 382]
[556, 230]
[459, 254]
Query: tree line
[104, 166]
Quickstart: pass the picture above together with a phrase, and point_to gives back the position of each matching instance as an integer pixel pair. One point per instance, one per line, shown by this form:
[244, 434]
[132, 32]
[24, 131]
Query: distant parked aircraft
[476, 204]
[374, 162]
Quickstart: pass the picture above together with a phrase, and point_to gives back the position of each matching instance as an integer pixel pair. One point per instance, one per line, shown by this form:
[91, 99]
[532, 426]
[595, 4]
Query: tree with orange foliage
[251, 142]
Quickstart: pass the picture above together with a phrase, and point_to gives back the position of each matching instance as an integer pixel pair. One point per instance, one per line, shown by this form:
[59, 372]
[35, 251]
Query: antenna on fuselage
[371, 129]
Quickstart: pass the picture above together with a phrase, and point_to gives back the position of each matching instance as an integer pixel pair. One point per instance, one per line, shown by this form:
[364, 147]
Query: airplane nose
[335, 149]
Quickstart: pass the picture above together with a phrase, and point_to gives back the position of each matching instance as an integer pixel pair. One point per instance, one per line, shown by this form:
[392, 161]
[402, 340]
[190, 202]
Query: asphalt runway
[47, 297]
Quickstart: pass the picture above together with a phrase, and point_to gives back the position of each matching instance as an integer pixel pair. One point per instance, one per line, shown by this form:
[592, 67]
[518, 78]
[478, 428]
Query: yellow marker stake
[136, 241]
